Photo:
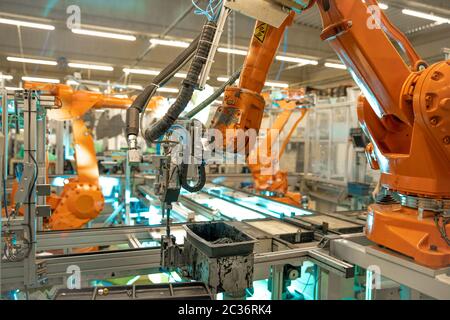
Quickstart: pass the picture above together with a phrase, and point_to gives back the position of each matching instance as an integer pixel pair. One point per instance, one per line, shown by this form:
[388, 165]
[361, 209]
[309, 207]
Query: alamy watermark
[232, 147]
[74, 280]
[74, 19]
[374, 20]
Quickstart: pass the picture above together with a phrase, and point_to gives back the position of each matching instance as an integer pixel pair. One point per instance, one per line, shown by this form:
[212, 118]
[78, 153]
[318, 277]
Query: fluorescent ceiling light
[267, 83]
[168, 90]
[72, 83]
[90, 66]
[233, 51]
[135, 87]
[129, 86]
[297, 60]
[382, 6]
[180, 75]
[335, 65]
[121, 96]
[33, 61]
[27, 24]
[37, 79]
[6, 77]
[183, 75]
[13, 88]
[150, 72]
[101, 34]
[427, 16]
[276, 84]
[170, 43]
[222, 79]
[142, 71]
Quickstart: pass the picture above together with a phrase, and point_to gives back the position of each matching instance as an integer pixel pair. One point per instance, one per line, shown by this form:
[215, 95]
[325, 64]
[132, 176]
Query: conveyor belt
[217, 202]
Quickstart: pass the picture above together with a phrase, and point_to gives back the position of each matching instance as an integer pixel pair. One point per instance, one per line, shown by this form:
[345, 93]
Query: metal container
[219, 239]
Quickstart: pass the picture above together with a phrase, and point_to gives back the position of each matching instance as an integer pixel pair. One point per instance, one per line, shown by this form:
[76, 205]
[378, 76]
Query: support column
[127, 191]
[60, 145]
[277, 282]
[41, 158]
[334, 287]
[30, 134]
[3, 160]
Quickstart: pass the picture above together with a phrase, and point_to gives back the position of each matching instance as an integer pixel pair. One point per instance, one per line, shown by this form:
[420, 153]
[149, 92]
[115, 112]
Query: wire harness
[212, 10]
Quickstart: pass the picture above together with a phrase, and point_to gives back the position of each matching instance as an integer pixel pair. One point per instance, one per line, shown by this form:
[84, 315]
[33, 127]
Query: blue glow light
[164, 277]
[107, 184]
[263, 205]
[261, 291]
[131, 281]
[58, 182]
[153, 215]
[369, 222]
[229, 210]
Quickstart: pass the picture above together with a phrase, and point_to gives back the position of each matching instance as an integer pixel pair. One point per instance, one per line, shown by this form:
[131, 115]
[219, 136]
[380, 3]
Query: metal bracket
[262, 10]
[339, 267]
[43, 190]
[25, 183]
[2, 151]
[446, 53]
[171, 254]
[41, 271]
[291, 4]
[324, 243]
[134, 156]
[43, 211]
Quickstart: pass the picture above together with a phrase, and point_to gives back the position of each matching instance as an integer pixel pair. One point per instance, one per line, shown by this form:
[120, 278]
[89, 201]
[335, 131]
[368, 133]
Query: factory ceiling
[143, 20]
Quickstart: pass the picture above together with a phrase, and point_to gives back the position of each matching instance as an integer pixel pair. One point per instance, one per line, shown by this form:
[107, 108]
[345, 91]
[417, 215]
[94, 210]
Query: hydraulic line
[140, 104]
[243, 105]
[200, 182]
[214, 96]
[188, 85]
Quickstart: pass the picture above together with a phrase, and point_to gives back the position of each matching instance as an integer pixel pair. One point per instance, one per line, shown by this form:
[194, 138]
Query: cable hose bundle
[442, 227]
[212, 10]
[201, 180]
[188, 86]
[214, 96]
[139, 105]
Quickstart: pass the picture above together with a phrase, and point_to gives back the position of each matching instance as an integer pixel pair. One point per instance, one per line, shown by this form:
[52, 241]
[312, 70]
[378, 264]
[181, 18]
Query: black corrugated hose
[214, 96]
[188, 85]
[201, 178]
[165, 75]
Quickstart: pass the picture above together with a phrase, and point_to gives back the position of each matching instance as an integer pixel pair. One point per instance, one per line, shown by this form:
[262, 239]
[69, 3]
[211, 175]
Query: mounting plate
[262, 10]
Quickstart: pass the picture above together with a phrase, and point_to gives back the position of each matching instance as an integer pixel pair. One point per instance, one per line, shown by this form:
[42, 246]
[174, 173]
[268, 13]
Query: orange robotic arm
[81, 199]
[405, 112]
[243, 106]
[263, 160]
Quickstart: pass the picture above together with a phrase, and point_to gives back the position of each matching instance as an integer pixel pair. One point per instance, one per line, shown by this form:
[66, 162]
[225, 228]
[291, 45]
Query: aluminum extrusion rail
[432, 282]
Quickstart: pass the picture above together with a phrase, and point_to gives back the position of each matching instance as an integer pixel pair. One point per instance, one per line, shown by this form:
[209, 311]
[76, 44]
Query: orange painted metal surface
[81, 199]
[405, 111]
[263, 160]
[398, 226]
[243, 106]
